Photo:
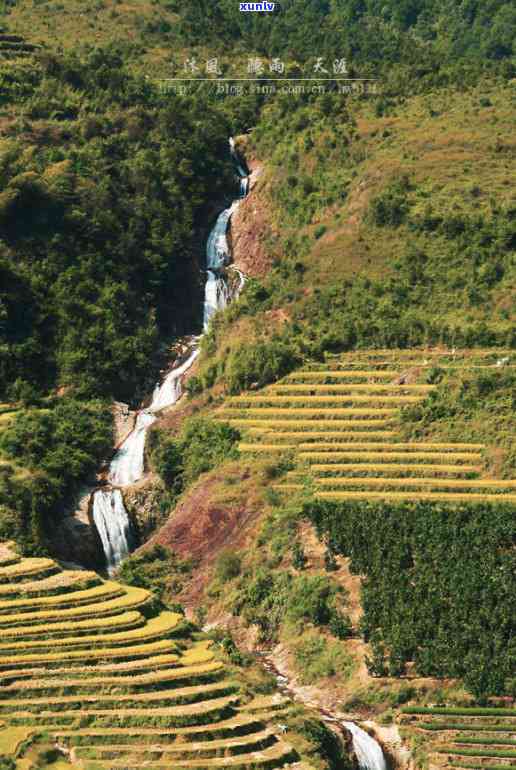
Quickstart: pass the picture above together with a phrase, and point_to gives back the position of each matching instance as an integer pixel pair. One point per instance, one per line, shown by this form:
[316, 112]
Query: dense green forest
[105, 185]
[44, 454]
[425, 34]
[437, 589]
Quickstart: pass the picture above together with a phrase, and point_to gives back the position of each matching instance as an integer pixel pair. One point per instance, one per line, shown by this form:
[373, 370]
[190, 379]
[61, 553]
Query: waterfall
[217, 293]
[368, 751]
[217, 248]
[171, 389]
[241, 282]
[216, 296]
[113, 525]
[127, 466]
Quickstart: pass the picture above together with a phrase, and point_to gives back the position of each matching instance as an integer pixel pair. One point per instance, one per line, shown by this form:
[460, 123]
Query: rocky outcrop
[251, 226]
[143, 505]
[77, 541]
[124, 420]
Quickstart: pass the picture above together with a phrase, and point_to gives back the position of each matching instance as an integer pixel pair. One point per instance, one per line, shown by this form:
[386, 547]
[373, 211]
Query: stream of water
[367, 750]
[128, 464]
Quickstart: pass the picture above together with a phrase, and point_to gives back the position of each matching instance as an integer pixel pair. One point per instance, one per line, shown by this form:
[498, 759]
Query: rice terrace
[257, 385]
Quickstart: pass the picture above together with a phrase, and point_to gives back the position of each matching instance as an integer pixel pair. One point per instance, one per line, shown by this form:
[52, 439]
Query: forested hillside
[336, 488]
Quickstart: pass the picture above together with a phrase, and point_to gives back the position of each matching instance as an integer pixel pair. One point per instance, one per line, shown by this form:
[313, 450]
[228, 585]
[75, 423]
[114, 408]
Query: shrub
[228, 567]
[202, 445]
[255, 365]
[390, 207]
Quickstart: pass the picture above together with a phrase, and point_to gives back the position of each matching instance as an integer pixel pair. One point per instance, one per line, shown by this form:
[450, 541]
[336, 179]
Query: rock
[124, 421]
[77, 539]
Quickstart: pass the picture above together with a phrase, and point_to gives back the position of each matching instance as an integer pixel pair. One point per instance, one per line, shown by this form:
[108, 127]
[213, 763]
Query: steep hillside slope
[390, 224]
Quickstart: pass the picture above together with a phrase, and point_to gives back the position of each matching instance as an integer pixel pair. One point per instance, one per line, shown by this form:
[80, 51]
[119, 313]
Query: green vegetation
[475, 405]
[94, 267]
[61, 446]
[201, 445]
[420, 603]
[159, 570]
[268, 599]
[419, 248]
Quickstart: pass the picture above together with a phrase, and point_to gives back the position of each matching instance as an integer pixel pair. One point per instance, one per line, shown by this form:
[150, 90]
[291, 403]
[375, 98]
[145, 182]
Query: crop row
[27, 568]
[237, 725]
[350, 437]
[331, 413]
[397, 469]
[257, 741]
[457, 711]
[307, 401]
[452, 497]
[277, 755]
[126, 621]
[157, 627]
[314, 424]
[485, 741]
[452, 484]
[190, 714]
[83, 656]
[474, 726]
[158, 698]
[483, 766]
[346, 388]
[432, 458]
[66, 597]
[342, 374]
[152, 663]
[497, 754]
[191, 675]
[116, 602]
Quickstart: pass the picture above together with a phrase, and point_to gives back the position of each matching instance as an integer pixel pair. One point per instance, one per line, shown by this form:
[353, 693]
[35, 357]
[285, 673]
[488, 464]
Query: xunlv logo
[267, 7]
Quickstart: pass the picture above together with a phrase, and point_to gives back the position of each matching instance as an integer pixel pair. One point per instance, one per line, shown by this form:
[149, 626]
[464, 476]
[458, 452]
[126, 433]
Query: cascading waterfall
[171, 389]
[368, 751]
[127, 466]
[113, 525]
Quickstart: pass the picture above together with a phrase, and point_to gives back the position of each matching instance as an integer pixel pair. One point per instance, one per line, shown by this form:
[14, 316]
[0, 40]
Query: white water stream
[368, 751]
[113, 525]
[128, 466]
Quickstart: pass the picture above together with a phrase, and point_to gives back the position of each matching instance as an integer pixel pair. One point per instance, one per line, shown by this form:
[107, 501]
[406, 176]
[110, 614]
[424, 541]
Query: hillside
[387, 228]
[93, 673]
[257, 370]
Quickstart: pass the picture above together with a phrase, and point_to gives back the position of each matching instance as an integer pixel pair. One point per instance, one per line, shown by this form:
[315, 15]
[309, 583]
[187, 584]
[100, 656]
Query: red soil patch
[204, 524]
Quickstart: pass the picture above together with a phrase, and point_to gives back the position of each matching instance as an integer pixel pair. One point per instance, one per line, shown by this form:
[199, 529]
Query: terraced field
[465, 737]
[91, 666]
[340, 422]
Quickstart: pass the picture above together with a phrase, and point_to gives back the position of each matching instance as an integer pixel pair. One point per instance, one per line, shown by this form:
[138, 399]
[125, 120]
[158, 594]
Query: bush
[390, 207]
[201, 446]
[159, 570]
[255, 365]
[318, 658]
[228, 567]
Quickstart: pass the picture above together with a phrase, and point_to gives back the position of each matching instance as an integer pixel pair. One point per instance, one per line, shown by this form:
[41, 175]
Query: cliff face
[77, 540]
[251, 226]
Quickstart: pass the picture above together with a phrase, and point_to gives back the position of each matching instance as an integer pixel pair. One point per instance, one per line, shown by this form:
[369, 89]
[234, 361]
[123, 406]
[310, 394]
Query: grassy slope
[456, 150]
